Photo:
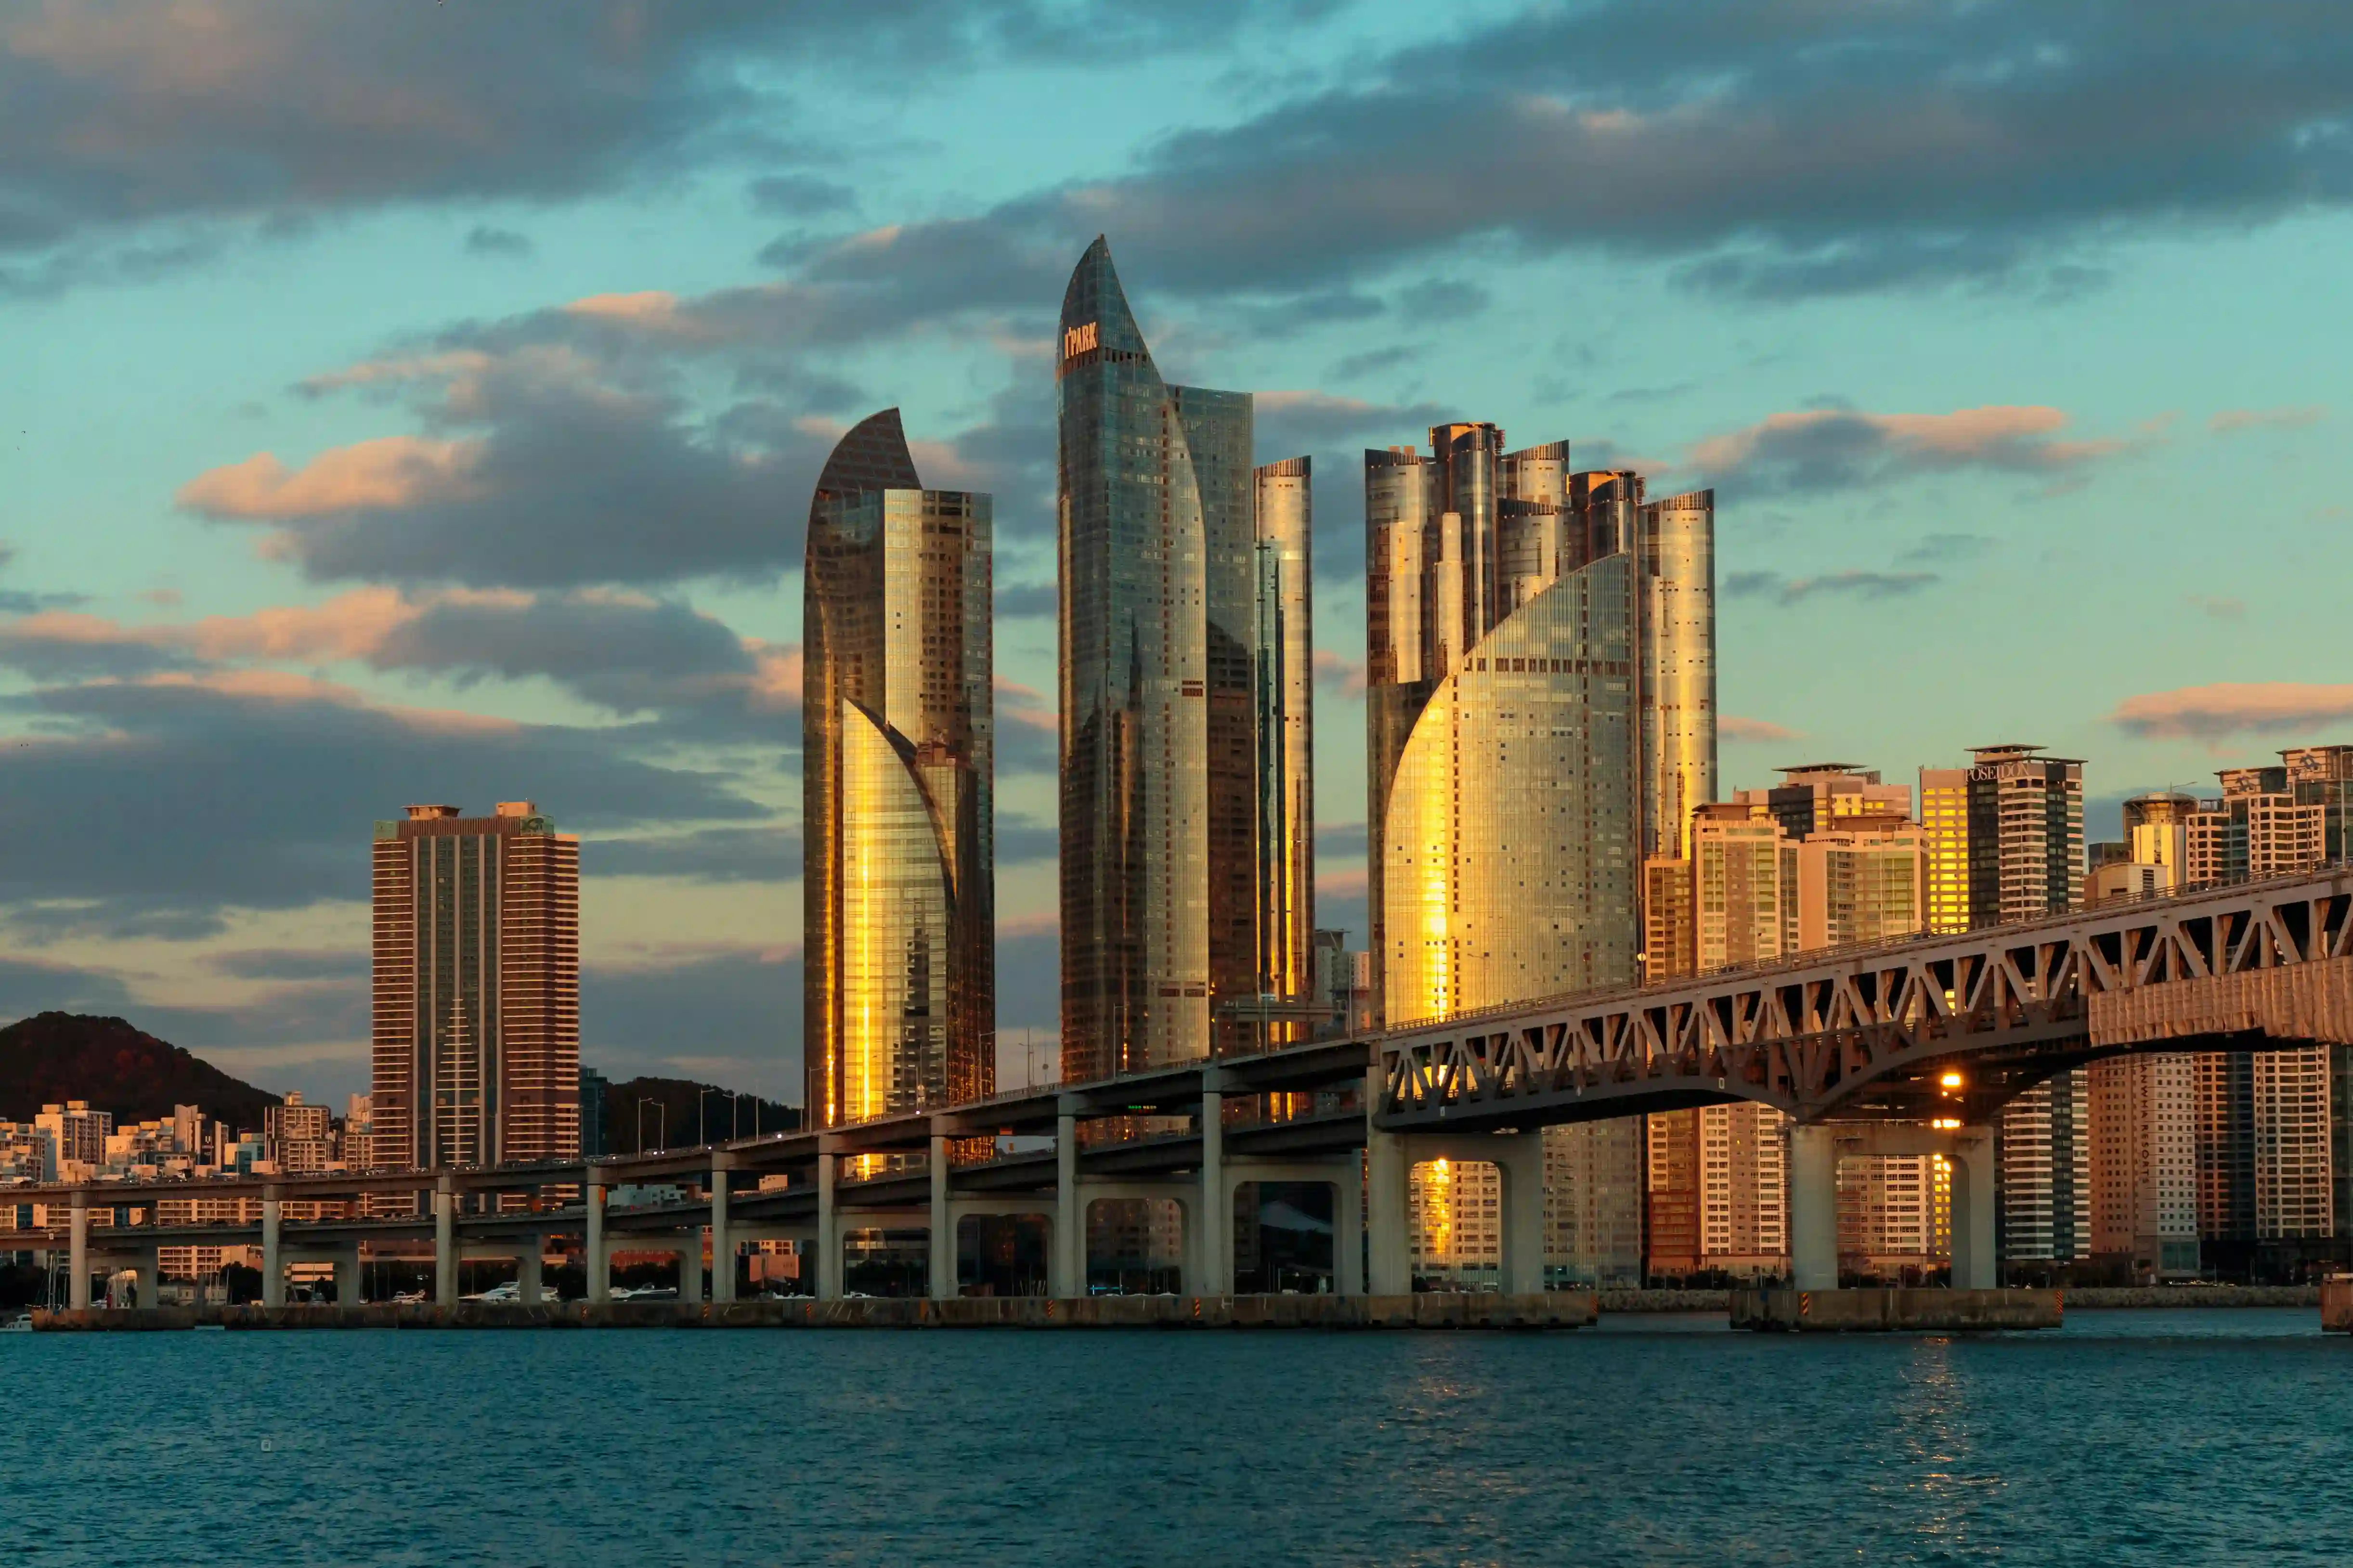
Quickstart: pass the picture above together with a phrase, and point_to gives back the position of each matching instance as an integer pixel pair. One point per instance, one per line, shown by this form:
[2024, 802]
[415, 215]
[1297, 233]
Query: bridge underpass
[1912, 1045]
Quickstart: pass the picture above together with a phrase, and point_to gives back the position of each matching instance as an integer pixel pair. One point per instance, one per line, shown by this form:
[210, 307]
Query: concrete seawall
[1553, 1309]
[1893, 1311]
[2173, 1297]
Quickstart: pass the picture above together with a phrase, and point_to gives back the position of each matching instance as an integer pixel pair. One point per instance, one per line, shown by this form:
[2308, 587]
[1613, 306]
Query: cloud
[385, 474]
[638, 655]
[767, 852]
[1768, 148]
[1016, 601]
[1816, 451]
[801, 196]
[2211, 713]
[2231, 421]
[1340, 840]
[2221, 609]
[735, 1011]
[181, 795]
[1754, 731]
[569, 471]
[131, 133]
[1858, 584]
[1940, 549]
[484, 240]
[1020, 840]
[1344, 676]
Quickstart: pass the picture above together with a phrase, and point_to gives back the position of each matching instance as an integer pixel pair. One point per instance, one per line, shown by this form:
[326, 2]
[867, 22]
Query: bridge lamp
[1945, 1123]
[1951, 1081]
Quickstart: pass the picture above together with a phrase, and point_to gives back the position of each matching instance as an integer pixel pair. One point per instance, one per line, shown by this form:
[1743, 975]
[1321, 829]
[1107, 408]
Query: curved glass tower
[1185, 824]
[898, 869]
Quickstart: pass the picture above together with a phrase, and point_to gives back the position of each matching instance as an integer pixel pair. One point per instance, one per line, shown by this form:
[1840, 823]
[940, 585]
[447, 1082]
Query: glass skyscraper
[1183, 577]
[1541, 716]
[897, 734]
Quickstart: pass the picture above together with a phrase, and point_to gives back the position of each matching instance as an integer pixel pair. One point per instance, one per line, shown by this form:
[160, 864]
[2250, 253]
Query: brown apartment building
[477, 1030]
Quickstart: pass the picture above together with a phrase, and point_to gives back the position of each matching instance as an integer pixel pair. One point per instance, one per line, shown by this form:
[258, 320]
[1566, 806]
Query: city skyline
[513, 488]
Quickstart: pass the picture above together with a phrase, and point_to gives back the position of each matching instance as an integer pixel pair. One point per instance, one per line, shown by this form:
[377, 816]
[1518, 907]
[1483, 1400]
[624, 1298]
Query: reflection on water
[2127, 1438]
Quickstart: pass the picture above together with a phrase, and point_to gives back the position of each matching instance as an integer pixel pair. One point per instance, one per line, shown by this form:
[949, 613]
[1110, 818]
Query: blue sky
[421, 402]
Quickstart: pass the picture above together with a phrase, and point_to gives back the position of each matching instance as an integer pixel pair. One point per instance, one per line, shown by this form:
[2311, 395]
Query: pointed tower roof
[870, 456]
[1095, 300]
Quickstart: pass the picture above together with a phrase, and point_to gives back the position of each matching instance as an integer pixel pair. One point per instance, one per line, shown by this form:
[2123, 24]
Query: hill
[674, 1125]
[52, 1058]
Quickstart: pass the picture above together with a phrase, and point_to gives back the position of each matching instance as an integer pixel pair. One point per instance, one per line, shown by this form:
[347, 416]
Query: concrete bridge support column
[828, 1228]
[1976, 1264]
[1348, 1228]
[1813, 1207]
[149, 1290]
[593, 1257]
[1068, 1262]
[529, 1254]
[1389, 1215]
[944, 1226]
[78, 1254]
[348, 1292]
[445, 1244]
[690, 1268]
[722, 1235]
[1214, 1247]
[273, 1255]
[1519, 1158]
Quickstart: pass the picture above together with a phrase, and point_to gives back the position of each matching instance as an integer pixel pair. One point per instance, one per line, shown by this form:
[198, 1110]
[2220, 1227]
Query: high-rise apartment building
[2274, 1158]
[2005, 837]
[2004, 843]
[897, 736]
[1829, 856]
[2143, 1162]
[2043, 1172]
[477, 1006]
[1895, 1217]
[1186, 827]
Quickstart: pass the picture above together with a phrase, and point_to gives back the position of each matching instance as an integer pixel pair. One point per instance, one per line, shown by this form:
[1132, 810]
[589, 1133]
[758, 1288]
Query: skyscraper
[1283, 677]
[2275, 1155]
[2143, 1162]
[1520, 618]
[477, 1026]
[1187, 815]
[897, 736]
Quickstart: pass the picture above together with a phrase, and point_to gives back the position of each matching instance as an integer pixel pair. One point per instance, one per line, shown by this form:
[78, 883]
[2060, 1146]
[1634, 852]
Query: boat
[22, 1323]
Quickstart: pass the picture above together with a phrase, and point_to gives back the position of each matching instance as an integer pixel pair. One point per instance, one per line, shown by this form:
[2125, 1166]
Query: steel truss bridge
[1873, 1037]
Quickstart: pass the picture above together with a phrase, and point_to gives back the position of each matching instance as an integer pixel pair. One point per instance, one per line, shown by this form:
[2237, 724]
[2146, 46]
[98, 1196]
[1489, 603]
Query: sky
[421, 402]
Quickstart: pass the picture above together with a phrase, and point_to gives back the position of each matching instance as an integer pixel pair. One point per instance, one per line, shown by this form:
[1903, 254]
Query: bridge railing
[1812, 956]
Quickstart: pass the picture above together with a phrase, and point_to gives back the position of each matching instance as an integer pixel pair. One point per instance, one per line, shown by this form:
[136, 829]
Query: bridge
[1909, 1047]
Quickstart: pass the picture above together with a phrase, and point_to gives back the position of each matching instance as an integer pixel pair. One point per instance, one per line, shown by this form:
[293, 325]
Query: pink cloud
[2233, 420]
[2210, 712]
[1346, 675]
[1026, 705]
[388, 472]
[775, 681]
[1758, 731]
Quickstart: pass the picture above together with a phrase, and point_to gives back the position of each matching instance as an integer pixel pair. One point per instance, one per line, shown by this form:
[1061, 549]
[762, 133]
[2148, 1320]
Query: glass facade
[1676, 621]
[1507, 851]
[897, 734]
[1284, 673]
[1186, 825]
